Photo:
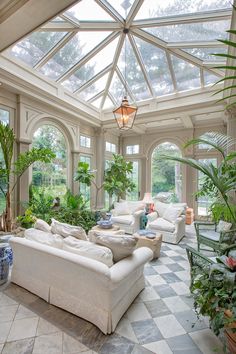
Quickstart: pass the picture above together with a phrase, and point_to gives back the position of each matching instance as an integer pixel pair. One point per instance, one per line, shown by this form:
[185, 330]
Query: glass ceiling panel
[122, 6]
[33, 48]
[206, 54]
[156, 64]
[134, 75]
[99, 62]
[187, 75]
[209, 78]
[117, 89]
[97, 102]
[94, 89]
[108, 103]
[202, 31]
[71, 53]
[159, 8]
[58, 19]
[88, 10]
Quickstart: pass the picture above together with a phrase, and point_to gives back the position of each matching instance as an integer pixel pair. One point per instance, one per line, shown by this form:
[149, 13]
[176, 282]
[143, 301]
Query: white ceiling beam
[172, 72]
[55, 49]
[133, 12]
[114, 64]
[211, 64]
[187, 121]
[186, 18]
[95, 97]
[28, 18]
[94, 78]
[124, 83]
[110, 10]
[88, 56]
[74, 22]
[141, 64]
[195, 44]
[82, 26]
[112, 98]
[202, 77]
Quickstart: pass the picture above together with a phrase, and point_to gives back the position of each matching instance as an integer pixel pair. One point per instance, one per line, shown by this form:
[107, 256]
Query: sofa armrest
[138, 213]
[123, 268]
[152, 216]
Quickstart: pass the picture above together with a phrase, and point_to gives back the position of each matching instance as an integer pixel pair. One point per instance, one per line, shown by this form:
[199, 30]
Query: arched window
[52, 176]
[165, 174]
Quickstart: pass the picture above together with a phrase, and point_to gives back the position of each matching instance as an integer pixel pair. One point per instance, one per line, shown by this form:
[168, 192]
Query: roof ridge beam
[110, 10]
[133, 12]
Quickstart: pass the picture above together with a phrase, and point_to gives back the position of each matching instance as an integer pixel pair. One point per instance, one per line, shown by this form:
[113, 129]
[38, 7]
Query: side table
[114, 230]
[111, 229]
[154, 244]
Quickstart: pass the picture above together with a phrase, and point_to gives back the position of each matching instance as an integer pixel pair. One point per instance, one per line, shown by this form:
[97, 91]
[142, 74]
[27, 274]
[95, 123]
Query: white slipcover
[82, 286]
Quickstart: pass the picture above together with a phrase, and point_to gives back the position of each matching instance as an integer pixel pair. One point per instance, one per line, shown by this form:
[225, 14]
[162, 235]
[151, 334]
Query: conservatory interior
[117, 177]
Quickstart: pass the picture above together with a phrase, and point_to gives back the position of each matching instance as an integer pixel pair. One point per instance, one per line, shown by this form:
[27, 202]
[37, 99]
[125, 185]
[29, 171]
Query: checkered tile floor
[159, 321]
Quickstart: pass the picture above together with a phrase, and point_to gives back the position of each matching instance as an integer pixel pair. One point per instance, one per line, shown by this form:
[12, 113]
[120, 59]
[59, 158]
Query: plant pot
[230, 335]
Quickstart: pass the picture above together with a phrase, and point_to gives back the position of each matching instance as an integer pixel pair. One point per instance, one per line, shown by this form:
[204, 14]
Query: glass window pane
[157, 67]
[71, 53]
[33, 48]
[85, 141]
[166, 175]
[134, 75]
[122, 6]
[5, 119]
[187, 75]
[207, 53]
[160, 8]
[134, 195]
[4, 116]
[132, 149]
[92, 67]
[209, 78]
[52, 177]
[94, 89]
[83, 188]
[110, 147]
[88, 10]
[204, 31]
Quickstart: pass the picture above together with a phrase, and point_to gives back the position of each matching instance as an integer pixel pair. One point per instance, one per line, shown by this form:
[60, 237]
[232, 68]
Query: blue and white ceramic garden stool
[5, 239]
[4, 263]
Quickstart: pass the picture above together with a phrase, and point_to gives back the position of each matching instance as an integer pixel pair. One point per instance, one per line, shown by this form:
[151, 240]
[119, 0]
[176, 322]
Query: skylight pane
[71, 53]
[108, 103]
[97, 102]
[202, 31]
[88, 10]
[209, 78]
[33, 48]
[156, 64]
[160, 8]
[122, 6]
[206, 54]
[187, 75]
[99, 62]
[117, 89]
[134, 75]
[94, 89]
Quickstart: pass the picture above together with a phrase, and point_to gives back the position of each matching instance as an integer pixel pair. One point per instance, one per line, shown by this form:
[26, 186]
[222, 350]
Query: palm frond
[224, 89]
[227, 42]
[224, 55]
[225, 79]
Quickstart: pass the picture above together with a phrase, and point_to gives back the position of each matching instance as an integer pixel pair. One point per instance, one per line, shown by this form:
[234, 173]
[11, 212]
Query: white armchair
[169, 220]
[126, 215]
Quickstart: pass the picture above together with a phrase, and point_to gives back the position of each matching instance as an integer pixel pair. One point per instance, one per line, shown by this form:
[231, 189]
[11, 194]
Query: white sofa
[126, 215]
[172, 230]
[82, 286]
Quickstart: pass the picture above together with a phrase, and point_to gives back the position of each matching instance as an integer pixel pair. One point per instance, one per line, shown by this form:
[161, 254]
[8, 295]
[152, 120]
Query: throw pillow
[46, 238]
[121, 208]
[42, 225]
[134, 206]
[121, 246]
[223, 226]
[88, 249]
[161, 208]
[171, 214]
[66, 230]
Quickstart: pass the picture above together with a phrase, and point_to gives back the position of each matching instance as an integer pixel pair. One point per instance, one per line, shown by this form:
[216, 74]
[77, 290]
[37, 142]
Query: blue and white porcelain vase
[5, 239]
[4, 263]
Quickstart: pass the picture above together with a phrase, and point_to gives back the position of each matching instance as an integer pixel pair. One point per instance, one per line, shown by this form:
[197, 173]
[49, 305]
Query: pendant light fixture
[125, 114]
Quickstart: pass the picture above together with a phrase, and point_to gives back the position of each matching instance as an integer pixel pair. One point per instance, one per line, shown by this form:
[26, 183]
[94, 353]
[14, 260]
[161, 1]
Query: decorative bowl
[105, 224]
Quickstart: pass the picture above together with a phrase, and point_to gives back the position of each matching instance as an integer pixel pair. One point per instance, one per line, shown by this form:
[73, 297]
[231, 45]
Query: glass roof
[167, 48]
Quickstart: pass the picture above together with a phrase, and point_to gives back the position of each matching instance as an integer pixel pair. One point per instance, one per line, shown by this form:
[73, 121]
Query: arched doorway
[51, 176]
[166, 176]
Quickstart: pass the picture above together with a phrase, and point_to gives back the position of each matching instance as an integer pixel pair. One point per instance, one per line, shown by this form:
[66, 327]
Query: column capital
[231, 112]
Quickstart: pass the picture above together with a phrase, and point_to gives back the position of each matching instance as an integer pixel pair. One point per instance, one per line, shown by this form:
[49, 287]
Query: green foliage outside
[165, 174]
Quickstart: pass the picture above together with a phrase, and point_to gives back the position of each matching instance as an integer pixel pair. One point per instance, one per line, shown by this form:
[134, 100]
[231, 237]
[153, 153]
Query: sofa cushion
[121, 246]
[162, 225]
[66, 230]
[46, 238]
[161, 208]
[211, 235]
[223, 226]
[121, 208]
[123, 219]
[88, 249]
[134, 206]
[42, 225]
[171, 214]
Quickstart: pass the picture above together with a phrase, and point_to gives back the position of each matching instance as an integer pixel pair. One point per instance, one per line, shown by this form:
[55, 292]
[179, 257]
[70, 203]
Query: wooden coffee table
[154, 244]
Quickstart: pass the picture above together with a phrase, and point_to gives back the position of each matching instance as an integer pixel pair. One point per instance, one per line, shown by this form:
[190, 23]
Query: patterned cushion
[211, 235]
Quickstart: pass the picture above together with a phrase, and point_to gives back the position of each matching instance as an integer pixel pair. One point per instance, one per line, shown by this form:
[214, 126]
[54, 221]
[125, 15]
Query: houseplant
[11, 172]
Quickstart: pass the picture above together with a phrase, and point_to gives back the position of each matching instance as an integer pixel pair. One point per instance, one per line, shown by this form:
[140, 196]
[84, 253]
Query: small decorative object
[8, 249]
[105, 224]
[4, 263]
[147, 233]
[148, 201]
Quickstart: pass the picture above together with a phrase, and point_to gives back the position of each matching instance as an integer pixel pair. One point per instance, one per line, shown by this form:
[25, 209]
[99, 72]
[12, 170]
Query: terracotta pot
[230, 335]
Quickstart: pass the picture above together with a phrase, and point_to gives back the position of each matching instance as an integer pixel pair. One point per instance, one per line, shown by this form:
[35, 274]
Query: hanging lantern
[125, 115]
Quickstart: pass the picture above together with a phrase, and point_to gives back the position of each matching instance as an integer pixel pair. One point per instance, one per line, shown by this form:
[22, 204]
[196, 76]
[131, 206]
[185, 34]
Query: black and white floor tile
[161, 320]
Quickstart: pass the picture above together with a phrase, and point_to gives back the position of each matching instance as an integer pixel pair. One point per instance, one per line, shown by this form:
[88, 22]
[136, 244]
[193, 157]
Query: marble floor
[159, 321]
